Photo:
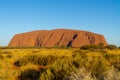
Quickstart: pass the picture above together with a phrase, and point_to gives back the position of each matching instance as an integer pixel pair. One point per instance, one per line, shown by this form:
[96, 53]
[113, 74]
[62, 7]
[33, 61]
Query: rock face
[57, 37]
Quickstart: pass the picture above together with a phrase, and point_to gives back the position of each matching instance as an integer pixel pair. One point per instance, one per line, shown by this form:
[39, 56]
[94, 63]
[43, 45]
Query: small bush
[93, 46]
[88, 47]
[113, 59]
[9, 55]
[111, 46]
[35, 59]
[29, 74]
[101, 46]
[62, 68]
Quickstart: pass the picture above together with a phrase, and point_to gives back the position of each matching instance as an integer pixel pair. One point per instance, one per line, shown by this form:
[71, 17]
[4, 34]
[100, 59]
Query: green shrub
[88, 47]
[93, 47]
[101, 46]
[111, 46]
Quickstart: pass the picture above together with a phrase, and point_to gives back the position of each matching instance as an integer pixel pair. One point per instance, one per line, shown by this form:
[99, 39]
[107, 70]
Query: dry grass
[54, 64]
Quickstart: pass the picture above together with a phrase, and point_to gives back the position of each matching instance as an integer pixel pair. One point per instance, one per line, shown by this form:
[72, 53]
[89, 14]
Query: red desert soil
[56, 37]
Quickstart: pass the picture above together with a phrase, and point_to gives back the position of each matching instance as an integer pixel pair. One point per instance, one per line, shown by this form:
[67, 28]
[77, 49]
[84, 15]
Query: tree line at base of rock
[86, 47]
[99, 46]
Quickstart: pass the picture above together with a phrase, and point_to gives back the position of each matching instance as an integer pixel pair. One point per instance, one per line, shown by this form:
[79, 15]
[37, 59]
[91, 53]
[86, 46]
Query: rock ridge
[56, 37]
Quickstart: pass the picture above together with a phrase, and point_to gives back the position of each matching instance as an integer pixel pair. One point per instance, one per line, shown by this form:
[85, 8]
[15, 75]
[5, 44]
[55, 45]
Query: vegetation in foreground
[59, 64]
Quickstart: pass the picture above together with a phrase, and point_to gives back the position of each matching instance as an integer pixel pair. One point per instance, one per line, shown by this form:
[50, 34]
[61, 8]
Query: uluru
[56, 37]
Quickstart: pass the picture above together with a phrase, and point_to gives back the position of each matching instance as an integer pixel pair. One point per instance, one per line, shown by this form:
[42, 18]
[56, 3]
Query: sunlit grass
[54, 64]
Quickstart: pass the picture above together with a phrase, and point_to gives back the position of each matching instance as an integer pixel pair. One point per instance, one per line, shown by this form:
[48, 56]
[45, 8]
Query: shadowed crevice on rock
[70, 42]
[60, 38]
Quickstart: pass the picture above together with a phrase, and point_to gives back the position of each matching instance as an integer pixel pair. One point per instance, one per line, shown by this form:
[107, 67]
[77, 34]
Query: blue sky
[99, 16]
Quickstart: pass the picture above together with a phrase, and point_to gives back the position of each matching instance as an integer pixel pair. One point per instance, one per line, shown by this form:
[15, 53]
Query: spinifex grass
[57, 64]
